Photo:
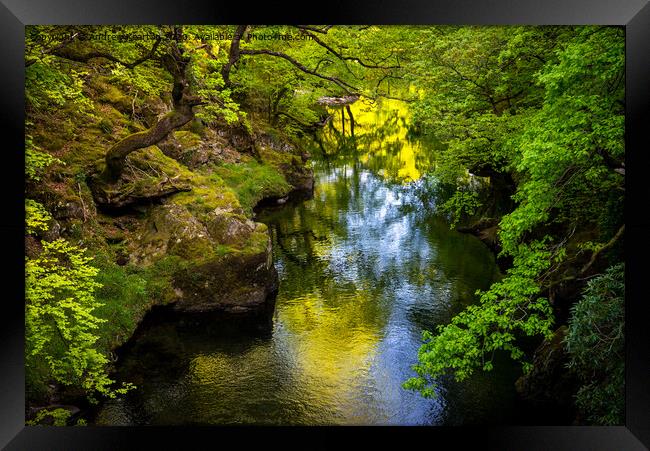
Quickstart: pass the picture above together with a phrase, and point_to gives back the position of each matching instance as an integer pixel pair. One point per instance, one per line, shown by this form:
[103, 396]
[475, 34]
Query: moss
[106, 126]
[222, 250]
[258, 240]
[85, 149]
[128, 293]
[109, 113]
[109, 93]
[253, 182]
[187, 139]
[159, 278]
[113, 95]
[193, 249]
[148, 175]
[125, 299]
[208, 193]
[152, 158]
[274, 157]
[197, 127]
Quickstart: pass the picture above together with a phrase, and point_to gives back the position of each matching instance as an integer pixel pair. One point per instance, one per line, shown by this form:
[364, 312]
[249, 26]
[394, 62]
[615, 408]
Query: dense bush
[595, 343]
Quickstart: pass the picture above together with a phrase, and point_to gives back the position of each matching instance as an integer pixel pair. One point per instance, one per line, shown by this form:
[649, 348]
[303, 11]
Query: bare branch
[609, 244]
[233, 55]
[314, 29]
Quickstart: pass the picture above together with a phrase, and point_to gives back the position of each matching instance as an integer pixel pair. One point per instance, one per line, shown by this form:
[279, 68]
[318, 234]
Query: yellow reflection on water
[380, 130]
[335, 341]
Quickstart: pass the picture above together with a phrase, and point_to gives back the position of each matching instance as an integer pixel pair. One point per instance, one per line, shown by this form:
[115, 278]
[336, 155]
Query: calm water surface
[364, 268]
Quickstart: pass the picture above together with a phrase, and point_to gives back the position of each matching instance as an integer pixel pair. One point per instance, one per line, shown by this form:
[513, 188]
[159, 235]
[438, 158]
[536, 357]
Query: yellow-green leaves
[37, 218]
[35, 160]
[59, 317]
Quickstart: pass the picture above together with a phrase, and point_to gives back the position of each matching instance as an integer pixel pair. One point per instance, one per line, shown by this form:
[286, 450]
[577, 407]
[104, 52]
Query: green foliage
[59, 417]
[55, 417]
[123, 299]
[541, 105]
[209, 85]
[564, 143]
[545, 105]
[509, 308]
[143, 80]
[47, 85]
[60, 321]
[59, 293]
[37, 217]
[127, 293]
[476, 82]
[461, 203]
[596, 346]
[36, 160]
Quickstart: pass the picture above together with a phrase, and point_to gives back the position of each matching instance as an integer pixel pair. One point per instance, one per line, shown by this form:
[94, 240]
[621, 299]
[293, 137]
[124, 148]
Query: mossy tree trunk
[183, 102]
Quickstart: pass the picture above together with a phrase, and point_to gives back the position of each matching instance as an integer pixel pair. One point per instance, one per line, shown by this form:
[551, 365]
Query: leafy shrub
[595, 343]
[59, 295]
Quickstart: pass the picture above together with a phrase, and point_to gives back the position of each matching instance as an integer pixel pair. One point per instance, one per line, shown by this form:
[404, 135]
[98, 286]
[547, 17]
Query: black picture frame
[633, 14]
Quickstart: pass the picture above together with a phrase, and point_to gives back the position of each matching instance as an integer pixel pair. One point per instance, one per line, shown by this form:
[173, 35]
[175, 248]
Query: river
[364, 268]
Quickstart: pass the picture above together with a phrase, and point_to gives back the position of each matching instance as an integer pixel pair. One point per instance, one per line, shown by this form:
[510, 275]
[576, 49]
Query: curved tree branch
[341, 56]
[53, 49]
[609, 244]
[233, 55]
[182, 113]
[66, 53]
[349, 89]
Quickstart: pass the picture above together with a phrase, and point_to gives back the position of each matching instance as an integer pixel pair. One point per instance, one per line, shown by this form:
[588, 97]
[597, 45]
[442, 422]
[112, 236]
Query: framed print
[419, 221]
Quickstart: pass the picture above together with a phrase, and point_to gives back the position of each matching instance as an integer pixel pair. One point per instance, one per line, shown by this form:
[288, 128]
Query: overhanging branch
[67, 53]
[341, 56]
[343, 85]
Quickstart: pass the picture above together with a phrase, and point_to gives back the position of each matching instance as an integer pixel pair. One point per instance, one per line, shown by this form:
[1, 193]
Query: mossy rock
[209, 192]
[227, 259]
[228, 228]
[235, 283]
[107, 92]
[171, 229]
[187, 139]
[150, 108]
[283, 155]
[199, 151]
[148, 175]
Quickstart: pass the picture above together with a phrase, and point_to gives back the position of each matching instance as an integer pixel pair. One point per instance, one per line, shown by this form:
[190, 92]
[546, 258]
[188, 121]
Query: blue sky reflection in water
[364, 267]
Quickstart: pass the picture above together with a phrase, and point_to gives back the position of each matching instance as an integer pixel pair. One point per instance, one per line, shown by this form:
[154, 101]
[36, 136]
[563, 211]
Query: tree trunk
[347, 107]
[116, 156]
[233, 54]
[181, 114]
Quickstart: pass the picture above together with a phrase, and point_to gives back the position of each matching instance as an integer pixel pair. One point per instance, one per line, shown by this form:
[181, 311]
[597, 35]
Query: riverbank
[178, 228]
[362, 273]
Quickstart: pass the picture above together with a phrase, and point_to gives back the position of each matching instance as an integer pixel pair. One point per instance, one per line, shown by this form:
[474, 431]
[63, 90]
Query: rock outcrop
[226, 259]
[148, 176]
